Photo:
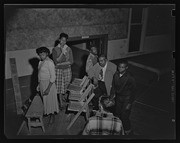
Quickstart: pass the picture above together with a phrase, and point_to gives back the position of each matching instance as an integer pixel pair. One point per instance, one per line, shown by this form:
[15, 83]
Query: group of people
[54, 75]
[110, 81]
[115, 83]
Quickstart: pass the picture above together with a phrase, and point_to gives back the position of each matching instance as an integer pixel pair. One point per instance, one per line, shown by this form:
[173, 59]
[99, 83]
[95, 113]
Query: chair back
[87, 92]
[83, 80]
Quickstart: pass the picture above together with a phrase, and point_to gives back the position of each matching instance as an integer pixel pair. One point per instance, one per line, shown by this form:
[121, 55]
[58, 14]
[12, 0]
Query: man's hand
[37, 88]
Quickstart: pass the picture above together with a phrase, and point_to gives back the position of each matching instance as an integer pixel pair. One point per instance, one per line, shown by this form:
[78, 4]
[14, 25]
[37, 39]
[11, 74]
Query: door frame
[102, 37]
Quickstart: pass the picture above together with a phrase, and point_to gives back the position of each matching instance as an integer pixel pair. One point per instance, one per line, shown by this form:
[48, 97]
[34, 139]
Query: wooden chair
[78, 81]
[78, 89]
[35, 113]
[82, 105]
[76, 96]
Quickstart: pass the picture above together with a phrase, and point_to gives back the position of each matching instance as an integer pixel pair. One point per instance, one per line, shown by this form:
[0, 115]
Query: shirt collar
[105, 66]
[120, 75]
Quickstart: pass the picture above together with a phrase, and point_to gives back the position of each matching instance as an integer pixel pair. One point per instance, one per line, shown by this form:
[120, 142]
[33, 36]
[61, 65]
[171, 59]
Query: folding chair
[82, 105]
[78, 89]
[76, 96]
[78, 81]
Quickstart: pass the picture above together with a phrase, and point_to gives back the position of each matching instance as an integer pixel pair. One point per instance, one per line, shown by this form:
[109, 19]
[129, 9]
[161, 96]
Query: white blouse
[46, 70]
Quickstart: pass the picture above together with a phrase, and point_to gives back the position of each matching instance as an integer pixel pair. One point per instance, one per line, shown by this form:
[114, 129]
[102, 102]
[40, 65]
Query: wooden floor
[151, 116]
[62, 120]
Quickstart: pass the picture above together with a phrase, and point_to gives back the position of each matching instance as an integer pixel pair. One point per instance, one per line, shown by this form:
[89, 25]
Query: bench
[35, 114]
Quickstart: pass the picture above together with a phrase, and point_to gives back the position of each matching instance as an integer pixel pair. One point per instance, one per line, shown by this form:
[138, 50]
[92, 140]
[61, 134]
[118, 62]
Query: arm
[46, 92]
[89, 64]
[70, 59]
[71, 56]
[52, 77]
[130, 92]
[57, 58]
[60, 58]
[91, 73]
[112, 91]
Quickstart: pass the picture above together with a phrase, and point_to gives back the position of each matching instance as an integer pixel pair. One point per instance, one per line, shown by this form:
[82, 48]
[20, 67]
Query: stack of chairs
[79, 98]
[77, 87]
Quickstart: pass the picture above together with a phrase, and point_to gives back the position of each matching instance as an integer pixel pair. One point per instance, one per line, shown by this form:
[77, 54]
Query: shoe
[51, 119]
[60, 108]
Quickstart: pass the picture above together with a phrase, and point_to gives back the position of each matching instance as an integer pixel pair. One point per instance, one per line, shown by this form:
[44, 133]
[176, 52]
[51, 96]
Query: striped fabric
[63, 79]
[99, 125]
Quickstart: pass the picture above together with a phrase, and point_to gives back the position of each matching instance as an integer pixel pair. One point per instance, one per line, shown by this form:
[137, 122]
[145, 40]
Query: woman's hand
[46, 92]
[64, 51]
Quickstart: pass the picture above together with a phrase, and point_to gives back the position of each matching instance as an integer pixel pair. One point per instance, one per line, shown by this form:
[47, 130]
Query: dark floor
[151, 115]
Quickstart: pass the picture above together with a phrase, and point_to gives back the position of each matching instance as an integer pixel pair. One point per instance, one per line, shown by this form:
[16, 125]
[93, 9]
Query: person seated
[98, 94]
[103, 122]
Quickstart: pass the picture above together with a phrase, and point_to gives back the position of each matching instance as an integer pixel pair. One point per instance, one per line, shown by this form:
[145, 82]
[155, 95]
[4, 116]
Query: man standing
[92, 59]
[123, 87]
[102, 75]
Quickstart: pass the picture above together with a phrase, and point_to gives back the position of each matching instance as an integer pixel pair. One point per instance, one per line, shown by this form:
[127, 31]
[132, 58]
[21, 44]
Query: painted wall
[119, 48]
[29, 28]
[157, 43]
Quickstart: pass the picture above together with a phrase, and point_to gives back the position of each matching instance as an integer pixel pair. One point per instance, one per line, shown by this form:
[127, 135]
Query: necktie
[101, 74]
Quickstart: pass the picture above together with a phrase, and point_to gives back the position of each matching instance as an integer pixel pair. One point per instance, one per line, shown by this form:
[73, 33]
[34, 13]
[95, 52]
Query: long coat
[110, 70]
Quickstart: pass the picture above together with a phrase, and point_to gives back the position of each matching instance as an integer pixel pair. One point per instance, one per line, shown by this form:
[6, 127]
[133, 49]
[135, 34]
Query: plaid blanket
[63, 79]
[99, 125]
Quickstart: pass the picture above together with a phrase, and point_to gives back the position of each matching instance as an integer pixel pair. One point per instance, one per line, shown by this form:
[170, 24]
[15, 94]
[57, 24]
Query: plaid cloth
[63, 79]
[99, 125]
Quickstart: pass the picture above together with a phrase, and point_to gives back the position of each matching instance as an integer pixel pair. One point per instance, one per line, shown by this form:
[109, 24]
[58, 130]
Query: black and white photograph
[85, 71]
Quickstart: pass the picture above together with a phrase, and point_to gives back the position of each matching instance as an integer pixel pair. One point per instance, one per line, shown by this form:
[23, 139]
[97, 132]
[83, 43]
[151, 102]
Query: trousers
[120, 111]
[99, 91]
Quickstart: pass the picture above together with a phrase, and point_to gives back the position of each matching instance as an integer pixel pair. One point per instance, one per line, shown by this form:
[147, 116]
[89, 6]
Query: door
[100, 41]
[80, 47]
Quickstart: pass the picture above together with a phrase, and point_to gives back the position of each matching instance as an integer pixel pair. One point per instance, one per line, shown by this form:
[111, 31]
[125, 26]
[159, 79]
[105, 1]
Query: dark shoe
[60, 108]
[51, 119]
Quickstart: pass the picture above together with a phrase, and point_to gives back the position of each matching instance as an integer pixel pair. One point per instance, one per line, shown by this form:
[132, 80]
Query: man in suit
[123, 92]
[102, 75]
